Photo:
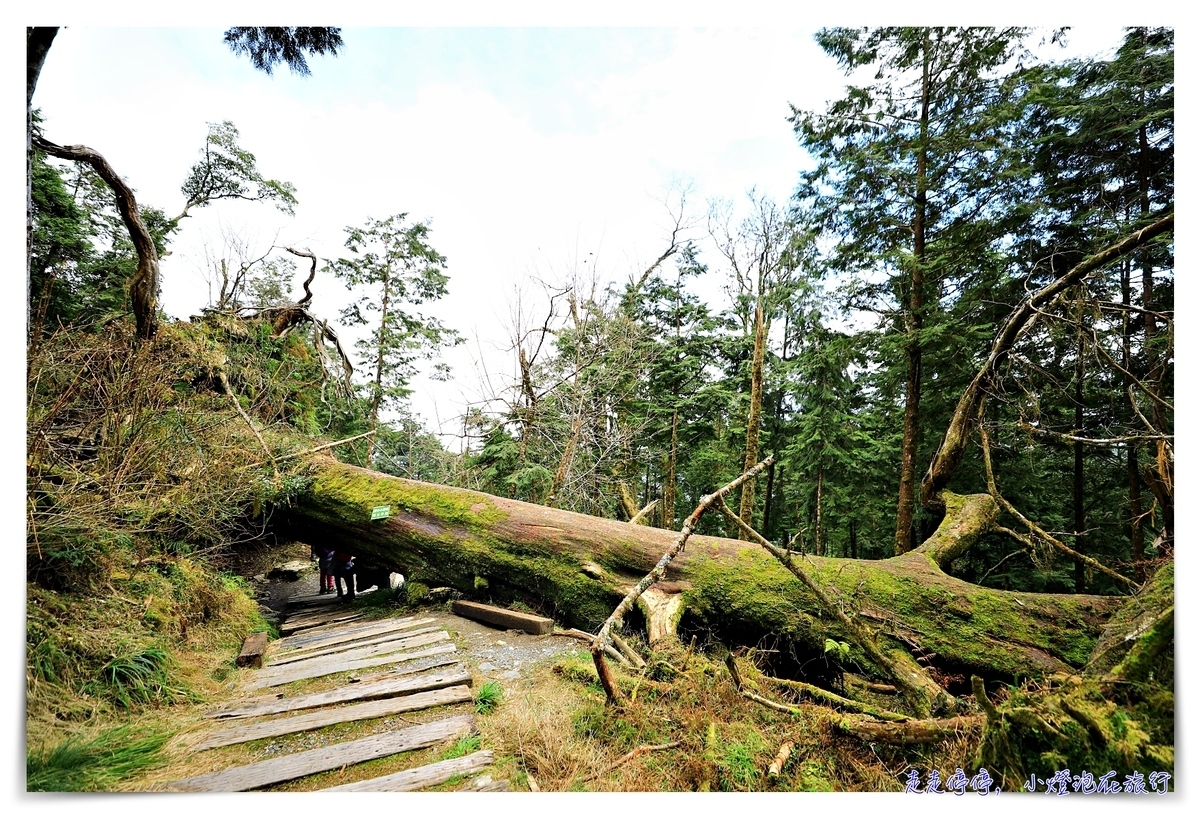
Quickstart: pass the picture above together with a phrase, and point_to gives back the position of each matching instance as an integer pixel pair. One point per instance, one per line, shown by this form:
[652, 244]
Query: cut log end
[252, 650]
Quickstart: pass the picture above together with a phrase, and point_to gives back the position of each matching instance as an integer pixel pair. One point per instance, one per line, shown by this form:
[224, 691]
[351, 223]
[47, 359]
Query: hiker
[343, 573]
[324, 558]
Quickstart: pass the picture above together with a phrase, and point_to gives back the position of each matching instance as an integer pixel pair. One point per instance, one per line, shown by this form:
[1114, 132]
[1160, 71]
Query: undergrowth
[682, 728]
[143, 482]
[83, 763]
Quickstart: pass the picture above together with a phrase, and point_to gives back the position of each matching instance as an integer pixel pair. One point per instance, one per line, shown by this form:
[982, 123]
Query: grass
[463, 747]
[92, 764]
[142, 677]
[488, 698]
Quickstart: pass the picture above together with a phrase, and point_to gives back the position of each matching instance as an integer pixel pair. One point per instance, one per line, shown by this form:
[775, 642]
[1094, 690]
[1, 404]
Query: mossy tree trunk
[577, 568]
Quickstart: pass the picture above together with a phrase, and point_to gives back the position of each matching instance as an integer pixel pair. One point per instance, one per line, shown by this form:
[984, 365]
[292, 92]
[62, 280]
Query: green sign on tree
[381, 512]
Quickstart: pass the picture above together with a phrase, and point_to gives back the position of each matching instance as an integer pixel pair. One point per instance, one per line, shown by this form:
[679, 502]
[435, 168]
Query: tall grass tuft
[95, 764]
[488, 698]
[142, 677]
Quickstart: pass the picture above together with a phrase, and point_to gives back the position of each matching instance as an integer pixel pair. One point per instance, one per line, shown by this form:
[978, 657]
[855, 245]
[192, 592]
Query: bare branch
[656, 574]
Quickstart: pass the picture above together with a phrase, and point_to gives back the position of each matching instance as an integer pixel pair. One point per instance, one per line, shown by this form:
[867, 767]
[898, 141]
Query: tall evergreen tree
[397, 267]
[906, 178]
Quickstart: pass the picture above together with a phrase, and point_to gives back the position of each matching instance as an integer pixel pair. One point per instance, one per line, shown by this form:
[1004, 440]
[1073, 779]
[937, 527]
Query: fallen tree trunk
[576, 568]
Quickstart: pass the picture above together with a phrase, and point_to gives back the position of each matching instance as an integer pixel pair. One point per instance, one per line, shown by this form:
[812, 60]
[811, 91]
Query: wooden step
[376, 627]
[382, 649]
[307, 671]
[322, 759]
[392, 686]
[503, 618]
[420, 777]
[290, 657]
[327, 717]
[291, 626]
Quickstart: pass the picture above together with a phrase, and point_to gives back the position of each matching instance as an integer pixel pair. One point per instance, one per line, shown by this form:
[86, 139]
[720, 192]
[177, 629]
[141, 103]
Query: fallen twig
[632, 754]
[315, 449]
[915, 731]
[781, 758]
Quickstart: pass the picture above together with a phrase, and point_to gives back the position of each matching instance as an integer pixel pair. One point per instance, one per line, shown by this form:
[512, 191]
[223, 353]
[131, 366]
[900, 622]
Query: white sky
[527, 148]
[536, 153]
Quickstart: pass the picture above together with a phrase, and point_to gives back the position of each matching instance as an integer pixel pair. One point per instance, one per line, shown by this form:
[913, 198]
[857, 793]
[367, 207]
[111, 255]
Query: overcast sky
[536, 153]
[527, 148]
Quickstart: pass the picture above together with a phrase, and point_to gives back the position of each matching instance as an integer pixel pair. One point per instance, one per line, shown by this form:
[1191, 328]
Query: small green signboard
[381, 512]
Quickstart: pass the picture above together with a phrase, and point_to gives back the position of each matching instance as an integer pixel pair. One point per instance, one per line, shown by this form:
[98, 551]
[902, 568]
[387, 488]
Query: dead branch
[143, 286]
[626, 651]
[316, 449]
[1023, 316]
[989, 709]
[781, 758]
[1090, 441]
[919, 689]
[632, 754]
[917, 731]
[656, 574]
[828, 698]
[640, 517]
[312, 272]
[1033, 527]
[754, 697]
[238, 406]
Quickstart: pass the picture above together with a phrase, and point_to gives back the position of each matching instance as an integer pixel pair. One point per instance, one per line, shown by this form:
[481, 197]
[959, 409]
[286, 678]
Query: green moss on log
[977, 629]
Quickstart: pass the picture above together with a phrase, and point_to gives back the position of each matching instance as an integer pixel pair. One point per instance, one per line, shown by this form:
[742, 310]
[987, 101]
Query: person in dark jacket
[343, 573]
[324, 557]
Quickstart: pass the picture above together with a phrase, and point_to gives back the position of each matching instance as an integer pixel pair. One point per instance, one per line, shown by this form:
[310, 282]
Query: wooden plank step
[291, 626]
[352, 644]
[309, 672]
[501, 617]
[327, 612]
[322, 759]
[418, 777]
[311, 599]
[392, 646]
[337, 715]
[408, 668]
[391, 686]
[323, 632]
[376, 627]
[252, 650]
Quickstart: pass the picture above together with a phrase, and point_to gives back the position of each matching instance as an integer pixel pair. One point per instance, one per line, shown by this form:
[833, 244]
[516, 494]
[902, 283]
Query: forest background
[827, 358]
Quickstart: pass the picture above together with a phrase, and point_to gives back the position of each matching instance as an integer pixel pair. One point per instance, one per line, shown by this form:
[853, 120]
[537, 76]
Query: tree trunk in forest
[1080, 538]
[667, 513]
[746, 506]
[1136, 539]
[819, 540]
[143, 286]
[915, 317]
[766, 520]
[548, 559]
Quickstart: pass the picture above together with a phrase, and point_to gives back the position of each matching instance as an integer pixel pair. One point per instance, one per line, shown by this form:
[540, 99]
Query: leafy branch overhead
[268, 47]
[228, 171]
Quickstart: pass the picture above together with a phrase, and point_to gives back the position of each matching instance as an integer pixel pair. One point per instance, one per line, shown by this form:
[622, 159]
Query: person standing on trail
[343, 572]
[324, 557]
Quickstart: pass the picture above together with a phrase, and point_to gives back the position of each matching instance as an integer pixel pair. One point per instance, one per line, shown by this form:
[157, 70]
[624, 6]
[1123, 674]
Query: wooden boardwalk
[418, 669]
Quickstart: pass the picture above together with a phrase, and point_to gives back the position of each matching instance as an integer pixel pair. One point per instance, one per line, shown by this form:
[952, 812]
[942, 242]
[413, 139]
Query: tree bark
[746, 506]
[915, 317]
[143, 287]
[440, 535]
